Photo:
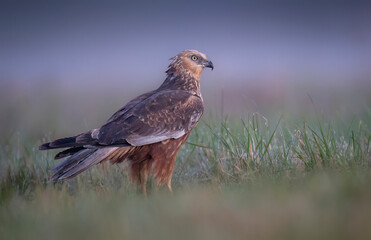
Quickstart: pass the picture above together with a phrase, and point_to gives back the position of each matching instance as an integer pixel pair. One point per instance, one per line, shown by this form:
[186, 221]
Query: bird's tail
[80, 161]
[80, 140]
[84, 151]
[61, 143]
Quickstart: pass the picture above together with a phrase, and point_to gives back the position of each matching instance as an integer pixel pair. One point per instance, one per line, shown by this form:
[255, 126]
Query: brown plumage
[147, 132]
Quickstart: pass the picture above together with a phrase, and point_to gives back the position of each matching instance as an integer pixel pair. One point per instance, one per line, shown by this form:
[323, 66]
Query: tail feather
[68, 152]
[79, 162]
[61, 143]
[78, 141]
[69, 163]
[95, 158]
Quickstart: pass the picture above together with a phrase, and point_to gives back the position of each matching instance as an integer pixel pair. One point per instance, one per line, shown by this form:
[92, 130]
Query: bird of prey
[147, 132]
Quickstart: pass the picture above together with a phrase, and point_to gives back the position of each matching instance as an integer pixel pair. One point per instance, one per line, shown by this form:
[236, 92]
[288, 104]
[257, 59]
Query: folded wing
[163, 115]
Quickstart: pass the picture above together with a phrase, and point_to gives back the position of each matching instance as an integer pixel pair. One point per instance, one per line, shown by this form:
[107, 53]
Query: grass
[245, 178]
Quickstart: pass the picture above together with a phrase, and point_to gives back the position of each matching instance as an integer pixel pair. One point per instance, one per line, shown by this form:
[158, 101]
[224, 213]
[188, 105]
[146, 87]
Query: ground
[251, 176]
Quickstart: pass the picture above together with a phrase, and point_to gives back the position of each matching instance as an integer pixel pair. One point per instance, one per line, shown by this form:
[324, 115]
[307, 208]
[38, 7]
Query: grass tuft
[251, 177]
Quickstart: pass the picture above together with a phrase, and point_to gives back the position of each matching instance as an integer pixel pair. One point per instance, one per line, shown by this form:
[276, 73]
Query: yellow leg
[143, 176]
[144, 188]
[169, 185]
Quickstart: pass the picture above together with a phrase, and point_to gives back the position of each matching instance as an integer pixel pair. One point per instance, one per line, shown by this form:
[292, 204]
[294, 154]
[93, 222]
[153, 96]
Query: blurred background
[74, 63]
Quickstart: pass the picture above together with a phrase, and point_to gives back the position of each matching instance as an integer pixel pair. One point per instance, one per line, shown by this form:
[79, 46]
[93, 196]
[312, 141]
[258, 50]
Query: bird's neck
[181, 79]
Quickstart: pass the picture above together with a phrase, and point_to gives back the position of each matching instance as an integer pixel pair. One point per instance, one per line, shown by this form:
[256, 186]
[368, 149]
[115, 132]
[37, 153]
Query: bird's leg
[171, 170]
[168, 184]
[143, 182]
[144, 171]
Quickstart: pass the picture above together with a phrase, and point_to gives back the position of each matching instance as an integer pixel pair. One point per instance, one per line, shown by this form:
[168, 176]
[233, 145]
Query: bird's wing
[163, 115]
[130, 105]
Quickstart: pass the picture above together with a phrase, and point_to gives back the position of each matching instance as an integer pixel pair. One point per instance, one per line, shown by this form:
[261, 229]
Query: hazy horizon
[90, 41]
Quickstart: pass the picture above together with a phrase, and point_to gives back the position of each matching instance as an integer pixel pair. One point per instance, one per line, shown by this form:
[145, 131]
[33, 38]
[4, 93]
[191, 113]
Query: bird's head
[192, 61]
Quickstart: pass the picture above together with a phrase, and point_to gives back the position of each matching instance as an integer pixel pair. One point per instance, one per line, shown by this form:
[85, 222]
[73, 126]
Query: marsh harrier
[147, 132]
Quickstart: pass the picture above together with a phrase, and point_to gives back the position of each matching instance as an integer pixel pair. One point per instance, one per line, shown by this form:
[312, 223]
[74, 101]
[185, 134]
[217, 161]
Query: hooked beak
[209, 64]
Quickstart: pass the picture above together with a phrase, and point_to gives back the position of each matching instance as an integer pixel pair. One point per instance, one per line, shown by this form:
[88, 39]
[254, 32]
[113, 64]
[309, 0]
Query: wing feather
[130, 105]
[163, 115]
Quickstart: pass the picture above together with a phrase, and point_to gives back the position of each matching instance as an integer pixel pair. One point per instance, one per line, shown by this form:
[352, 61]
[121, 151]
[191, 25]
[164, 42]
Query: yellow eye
[194, 58]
